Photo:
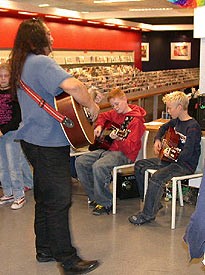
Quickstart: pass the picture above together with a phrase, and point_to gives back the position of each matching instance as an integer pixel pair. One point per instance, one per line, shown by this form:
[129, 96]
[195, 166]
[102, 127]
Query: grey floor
[123, 249]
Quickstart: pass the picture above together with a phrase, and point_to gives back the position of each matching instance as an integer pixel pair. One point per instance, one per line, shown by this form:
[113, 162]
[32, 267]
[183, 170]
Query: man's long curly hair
[30, 38]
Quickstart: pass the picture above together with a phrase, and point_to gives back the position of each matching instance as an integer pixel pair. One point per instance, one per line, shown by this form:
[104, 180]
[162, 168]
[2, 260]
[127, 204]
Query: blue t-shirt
[44, 76]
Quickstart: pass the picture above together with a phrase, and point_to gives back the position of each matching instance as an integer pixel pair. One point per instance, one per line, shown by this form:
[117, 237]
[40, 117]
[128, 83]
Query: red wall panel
[78, 37]
[8, 28]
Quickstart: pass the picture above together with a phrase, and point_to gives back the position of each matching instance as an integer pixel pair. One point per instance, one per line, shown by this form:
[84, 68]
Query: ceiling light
[4, 10]
[43, 5]
[114, 21]
[123, 27]
[115, 1]
[152, 9]
[134, 28]
[93, 22]
[109, 24]
[27, 13]
[75, 19]
[53, 16]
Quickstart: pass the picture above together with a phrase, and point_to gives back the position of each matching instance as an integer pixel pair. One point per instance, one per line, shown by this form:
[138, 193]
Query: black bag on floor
[126, 186]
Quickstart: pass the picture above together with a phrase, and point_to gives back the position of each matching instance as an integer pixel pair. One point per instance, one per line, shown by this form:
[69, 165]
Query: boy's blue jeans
[94, 171]
[165, 171]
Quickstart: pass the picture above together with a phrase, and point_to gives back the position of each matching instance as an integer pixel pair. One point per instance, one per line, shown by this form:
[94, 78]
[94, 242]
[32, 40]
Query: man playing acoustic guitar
[171, 161]
[45, 144]
[120, 146]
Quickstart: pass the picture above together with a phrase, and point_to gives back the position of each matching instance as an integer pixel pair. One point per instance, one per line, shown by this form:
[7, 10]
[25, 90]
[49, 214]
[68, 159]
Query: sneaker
[101, 210]
[6, 199]
[139, 219]
[17, 204]
[92, 204]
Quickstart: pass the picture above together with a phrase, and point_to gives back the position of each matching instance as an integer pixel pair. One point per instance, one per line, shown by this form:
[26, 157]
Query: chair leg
[174, 195]
[114, 192]
[180, 193]
[146, 178]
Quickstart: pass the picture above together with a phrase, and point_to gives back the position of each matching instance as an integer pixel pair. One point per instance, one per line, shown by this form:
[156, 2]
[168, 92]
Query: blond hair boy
[189, 132]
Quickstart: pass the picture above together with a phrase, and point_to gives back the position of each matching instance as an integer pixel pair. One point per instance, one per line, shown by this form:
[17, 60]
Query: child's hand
[157, 146]
[97, 131]
[114, 135]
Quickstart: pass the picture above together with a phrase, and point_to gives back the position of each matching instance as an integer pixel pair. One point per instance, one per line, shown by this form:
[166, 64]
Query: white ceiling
[87, 9]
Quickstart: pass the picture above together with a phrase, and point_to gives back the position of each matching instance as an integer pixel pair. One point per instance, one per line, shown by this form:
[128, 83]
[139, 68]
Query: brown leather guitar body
[82, 133]
[170, 151]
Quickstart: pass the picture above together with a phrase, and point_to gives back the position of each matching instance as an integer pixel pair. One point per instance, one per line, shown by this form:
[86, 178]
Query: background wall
[77, 37]
[159, 50]
[69, 36]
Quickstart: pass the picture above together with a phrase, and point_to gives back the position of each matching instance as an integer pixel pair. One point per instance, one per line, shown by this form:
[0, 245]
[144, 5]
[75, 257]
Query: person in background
[195, 231]
[45, 144]
[189, 133]
[15, 170]
[94, 168]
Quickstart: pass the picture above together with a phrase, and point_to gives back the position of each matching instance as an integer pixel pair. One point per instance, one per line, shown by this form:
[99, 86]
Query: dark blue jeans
[165, 171]
[52, 194]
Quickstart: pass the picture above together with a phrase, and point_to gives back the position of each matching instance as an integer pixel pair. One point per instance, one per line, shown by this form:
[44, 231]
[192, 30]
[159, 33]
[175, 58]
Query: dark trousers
[165, 172]
[52, 194]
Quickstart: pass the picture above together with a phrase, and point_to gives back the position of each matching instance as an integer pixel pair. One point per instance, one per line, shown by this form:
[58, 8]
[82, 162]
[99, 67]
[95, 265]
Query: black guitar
[104, 141]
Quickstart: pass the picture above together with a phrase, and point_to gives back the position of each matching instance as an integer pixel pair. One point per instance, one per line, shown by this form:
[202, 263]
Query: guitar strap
[47, 107]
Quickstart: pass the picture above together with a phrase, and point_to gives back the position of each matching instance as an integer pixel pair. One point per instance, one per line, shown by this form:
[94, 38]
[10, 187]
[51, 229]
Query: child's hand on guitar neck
[97, 131]
[114, 135]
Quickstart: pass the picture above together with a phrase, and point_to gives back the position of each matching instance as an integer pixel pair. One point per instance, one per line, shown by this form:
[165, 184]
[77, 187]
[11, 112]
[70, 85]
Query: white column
[202, 67]
[199, 32]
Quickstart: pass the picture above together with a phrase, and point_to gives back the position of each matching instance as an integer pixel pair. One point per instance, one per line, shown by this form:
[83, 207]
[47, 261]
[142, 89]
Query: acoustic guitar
[170, 151]
[104, 141]
[82, 133]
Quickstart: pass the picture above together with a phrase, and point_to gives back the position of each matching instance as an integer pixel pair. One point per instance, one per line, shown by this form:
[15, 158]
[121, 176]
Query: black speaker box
[126, 186]
[192, 108]
[201, 111]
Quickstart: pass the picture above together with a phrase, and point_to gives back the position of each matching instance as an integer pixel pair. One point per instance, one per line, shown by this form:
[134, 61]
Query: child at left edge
[14, 167]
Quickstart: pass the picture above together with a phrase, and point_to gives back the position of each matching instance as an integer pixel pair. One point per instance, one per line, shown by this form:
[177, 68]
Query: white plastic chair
[194, 181]
[142, 155]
